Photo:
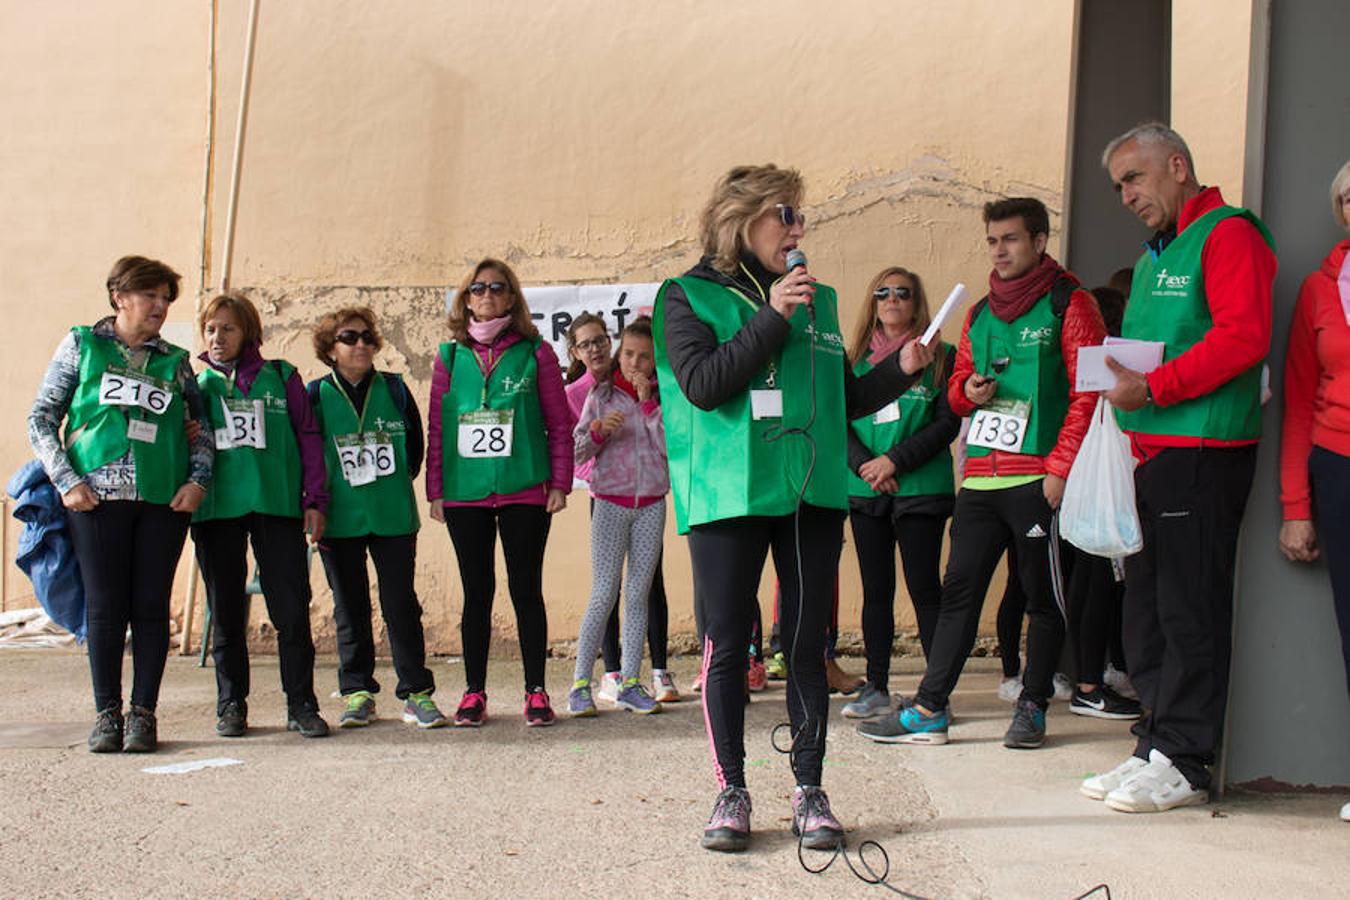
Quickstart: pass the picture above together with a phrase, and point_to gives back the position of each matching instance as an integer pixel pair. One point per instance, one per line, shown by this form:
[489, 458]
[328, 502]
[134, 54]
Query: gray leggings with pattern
[616, 533]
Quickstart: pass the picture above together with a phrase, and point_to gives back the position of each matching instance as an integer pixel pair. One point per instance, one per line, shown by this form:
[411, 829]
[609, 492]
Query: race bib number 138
[1002, 425]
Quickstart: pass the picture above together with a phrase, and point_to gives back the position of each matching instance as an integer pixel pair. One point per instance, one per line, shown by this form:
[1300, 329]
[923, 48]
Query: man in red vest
[1203, 288]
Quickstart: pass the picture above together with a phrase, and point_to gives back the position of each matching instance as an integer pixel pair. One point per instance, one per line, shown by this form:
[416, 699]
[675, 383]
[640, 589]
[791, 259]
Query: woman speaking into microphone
[759, 395]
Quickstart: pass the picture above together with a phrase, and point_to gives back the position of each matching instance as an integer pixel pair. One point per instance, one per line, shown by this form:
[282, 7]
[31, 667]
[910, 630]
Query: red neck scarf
[1010, 299]
[623, 384]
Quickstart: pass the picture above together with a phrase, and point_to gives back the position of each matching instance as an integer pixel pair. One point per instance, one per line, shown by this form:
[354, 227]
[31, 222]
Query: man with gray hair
[1203, 289]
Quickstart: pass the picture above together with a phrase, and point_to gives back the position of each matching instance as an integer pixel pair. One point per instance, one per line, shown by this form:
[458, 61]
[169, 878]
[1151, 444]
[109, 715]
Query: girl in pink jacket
[620, 429]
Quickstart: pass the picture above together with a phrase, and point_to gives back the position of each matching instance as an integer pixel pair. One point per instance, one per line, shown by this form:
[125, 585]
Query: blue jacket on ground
[46, 554]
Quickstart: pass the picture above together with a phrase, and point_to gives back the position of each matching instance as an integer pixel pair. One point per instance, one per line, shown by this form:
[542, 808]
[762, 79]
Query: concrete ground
[595, 807]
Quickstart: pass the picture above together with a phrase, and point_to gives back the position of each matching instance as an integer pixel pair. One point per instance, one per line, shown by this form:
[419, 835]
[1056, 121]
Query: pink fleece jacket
[631, 462]
[577, 392]
[558, 422]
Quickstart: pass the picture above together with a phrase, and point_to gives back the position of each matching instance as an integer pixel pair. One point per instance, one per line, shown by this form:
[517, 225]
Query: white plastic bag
[1098, 514]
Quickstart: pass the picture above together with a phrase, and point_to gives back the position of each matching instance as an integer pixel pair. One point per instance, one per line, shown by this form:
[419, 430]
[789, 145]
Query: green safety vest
[916, 408]
[724, 463]
[97, 434]
[1168, 304]
[1035, 373]
[245, 479]
[511, 385]
[385, 506]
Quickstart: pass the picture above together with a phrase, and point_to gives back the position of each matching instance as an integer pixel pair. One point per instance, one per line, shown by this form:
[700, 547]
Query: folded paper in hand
[1093, 375]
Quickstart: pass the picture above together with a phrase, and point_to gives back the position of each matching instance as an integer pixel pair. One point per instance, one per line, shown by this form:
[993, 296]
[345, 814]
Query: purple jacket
[631, 462]
[313, 472]
[558, 420]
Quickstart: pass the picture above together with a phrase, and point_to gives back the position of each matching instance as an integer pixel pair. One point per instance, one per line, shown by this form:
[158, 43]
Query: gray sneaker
[107, 734]
[360, 710]
[141, 734]
[871, 702]
[634, 697]
[420, 709]
[812, 820]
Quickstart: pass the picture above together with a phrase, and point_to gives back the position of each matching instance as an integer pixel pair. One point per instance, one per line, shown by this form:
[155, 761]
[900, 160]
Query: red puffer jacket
[1082, 327]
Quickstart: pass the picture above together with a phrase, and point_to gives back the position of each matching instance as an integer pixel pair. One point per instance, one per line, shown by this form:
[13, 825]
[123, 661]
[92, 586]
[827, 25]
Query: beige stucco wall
[391, 145]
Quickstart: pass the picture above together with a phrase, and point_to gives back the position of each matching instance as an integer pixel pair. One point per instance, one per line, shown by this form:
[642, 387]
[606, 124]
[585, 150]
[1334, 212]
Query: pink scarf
[882, 346]
[487, 332]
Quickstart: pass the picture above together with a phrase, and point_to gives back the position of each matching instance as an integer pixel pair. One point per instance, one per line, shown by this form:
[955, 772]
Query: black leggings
[1008, 625]
[524, 530]
[983, 524]
[283, 569]
[728, 558]
[1330, 476]
[128, 552]
[395, 558]
[1094, 599]
[875, 539]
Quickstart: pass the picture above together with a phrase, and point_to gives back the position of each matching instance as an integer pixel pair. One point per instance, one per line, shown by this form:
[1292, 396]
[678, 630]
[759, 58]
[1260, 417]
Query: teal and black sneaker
[360, 710]
[907, 726]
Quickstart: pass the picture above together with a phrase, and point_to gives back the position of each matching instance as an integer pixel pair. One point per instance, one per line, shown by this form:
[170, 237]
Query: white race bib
[123, 387]
[888, 413]
[365, 457]
[486, 433]
[244, 425]
[1001, 425]
[766, 404]
[141, 430]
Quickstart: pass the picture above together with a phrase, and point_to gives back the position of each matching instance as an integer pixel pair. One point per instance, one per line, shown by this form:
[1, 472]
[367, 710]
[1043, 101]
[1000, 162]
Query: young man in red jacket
[1015, 369]
[1202, 288]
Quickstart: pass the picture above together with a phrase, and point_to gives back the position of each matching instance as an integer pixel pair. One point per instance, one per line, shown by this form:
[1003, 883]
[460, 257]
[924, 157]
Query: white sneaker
[1119, 682]
[663, 686]
[1098, 786]
[1009, 689]
[1063, 687]
[1156, 787]
[609, 687]
[1345, 813]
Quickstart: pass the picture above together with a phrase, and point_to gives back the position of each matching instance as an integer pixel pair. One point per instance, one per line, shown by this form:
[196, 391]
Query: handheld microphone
[796, 259]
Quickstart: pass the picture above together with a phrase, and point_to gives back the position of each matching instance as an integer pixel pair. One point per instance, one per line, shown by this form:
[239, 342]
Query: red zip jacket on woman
[1082, 327]
[1316, 380]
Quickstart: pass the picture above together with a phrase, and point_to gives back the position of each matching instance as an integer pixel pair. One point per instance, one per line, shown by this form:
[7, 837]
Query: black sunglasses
[351, 337]
[899, 293]
[790, 216]
[496, 288]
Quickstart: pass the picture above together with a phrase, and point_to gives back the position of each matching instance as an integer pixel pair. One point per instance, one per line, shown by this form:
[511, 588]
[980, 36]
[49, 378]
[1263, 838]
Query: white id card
[122, 387]
[141, 430]
[1002, 425]
[244, 425]
[766, 404]
[486, 433]
[365, 457]
[888, 413]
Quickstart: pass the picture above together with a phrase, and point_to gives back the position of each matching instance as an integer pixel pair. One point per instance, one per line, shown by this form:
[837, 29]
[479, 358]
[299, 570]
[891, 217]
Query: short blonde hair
[740, 197]
[241, 308]
[1340, 186]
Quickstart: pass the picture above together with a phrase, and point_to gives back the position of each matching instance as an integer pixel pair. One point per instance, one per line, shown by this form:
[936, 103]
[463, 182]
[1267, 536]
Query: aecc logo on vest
[512, 386]
[1171, 285]
[390, 425]
[1036, 336]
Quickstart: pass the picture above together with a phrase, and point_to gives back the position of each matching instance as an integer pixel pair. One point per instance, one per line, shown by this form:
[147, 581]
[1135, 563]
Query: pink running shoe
[757, 677]
[472, 710]
[537, 709]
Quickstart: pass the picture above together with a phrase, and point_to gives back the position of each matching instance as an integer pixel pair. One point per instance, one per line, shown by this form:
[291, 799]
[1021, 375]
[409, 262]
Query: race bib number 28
[486, 433]
[122, 387]
[1002, 425]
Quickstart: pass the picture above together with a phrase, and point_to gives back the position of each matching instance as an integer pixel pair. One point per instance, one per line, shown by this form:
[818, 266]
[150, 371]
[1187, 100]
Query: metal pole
[227, 261]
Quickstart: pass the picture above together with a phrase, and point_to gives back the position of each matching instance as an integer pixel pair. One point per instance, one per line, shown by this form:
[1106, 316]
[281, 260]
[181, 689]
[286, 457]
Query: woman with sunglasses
[129, 479]
[372, 435]
[499, 460]
[270, 486]
[758, 398]
[902, 490]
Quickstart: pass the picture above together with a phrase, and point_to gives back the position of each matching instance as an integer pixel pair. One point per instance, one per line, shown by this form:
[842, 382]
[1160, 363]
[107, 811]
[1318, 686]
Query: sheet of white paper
[195, 765]
[1093, 375]
[956, 296]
